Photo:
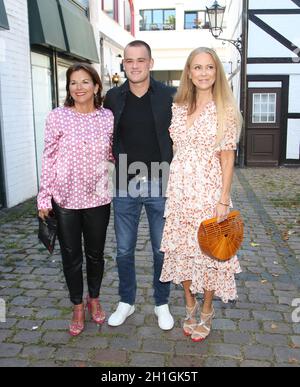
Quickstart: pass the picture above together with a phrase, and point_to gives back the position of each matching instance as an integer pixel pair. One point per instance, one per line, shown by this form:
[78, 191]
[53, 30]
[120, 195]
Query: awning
[3, 17]
[45, 24]
[80, 37]
[61, 25]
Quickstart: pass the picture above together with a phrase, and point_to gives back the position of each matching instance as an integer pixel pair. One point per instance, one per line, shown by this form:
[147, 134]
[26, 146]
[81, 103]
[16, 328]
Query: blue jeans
[127, 212]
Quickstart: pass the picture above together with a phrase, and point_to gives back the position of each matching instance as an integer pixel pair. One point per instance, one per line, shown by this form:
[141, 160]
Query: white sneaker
[120, 315]
[165, 319]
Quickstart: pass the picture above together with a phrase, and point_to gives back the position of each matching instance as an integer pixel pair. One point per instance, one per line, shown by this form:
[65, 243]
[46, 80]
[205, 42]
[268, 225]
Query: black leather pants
[92, 224]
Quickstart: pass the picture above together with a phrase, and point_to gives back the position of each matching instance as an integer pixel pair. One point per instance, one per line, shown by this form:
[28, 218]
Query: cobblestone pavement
[256, 331]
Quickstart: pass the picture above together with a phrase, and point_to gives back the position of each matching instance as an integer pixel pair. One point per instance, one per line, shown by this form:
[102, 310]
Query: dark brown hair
[69, 102]
[139, 43]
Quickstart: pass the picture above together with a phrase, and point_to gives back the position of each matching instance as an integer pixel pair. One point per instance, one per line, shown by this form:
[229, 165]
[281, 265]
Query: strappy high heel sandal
[202, 330]
[190, 321]
[96, 312]
[77, 323]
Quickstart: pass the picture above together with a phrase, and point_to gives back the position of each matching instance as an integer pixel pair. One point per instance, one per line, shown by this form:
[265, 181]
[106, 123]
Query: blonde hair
[222, 93]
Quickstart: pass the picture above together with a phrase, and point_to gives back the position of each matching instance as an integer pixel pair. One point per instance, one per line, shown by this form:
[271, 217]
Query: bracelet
[226, 205]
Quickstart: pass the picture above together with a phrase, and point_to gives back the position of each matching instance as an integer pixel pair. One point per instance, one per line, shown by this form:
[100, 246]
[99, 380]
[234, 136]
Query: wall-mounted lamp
[115, 79]
[216, 17]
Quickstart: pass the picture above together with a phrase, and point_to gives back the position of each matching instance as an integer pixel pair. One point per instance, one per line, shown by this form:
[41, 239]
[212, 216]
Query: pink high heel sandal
[94, 308]
[77, 324]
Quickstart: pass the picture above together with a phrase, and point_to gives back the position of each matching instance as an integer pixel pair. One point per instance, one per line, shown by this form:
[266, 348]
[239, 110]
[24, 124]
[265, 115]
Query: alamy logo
[2, 311]
[296, 312]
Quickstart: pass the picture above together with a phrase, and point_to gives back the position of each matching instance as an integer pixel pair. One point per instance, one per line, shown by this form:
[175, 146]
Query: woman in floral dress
[205, 129]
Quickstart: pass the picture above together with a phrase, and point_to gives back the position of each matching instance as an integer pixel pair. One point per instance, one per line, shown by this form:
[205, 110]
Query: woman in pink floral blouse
[74, 184]
[205, 129]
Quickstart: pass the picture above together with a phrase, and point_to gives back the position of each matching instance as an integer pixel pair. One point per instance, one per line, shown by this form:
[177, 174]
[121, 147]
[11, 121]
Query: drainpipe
[244, 83]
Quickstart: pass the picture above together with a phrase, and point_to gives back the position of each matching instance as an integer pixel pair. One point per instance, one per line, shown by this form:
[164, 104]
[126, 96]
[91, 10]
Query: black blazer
[161, 101]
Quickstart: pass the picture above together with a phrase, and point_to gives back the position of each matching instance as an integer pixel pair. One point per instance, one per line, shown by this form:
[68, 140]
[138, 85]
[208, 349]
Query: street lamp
[216, 17]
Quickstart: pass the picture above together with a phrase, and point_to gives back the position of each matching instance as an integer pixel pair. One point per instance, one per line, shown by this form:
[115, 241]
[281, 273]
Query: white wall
[115, 38]
[271, 4]
[276, 68]
[293, 140]
[293, 135]
[171, 48]
[294, 101]
[16, 106]
[262, 44]
[233, 30]
[103, 23]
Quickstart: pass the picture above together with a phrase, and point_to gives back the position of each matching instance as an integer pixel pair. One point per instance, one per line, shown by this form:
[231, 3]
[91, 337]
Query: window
[83, 4]
[145, 20]
[195, 20]
[264, 108]
[61, 80]
[128, 16]
[110, 7]
[157, 19]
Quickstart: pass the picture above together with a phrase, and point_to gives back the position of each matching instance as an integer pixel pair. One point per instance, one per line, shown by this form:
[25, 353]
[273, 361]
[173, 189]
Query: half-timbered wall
[274, 57]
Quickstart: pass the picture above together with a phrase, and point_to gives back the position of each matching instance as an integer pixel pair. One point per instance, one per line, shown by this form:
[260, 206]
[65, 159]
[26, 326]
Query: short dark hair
[69, 102]
[139, 43]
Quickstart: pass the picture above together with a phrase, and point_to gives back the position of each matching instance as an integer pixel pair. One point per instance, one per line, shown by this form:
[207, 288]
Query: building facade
[34, 57]
[3, 26]
[173, 28]
[273, 120]
[114, 26]
[39, 40]
[272, 127]
[18, 172]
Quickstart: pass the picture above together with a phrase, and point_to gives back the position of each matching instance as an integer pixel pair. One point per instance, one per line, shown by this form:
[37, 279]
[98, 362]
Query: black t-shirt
[137, 131]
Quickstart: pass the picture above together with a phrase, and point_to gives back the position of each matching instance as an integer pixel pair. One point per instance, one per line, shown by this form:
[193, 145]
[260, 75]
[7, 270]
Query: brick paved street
[256, 331]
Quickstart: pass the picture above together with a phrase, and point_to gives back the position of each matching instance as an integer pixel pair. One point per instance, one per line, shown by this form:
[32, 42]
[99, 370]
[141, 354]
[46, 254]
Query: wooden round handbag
[221, 240]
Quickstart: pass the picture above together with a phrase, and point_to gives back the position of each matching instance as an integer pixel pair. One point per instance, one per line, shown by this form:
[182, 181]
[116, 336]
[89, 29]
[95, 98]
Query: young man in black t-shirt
[142, 111]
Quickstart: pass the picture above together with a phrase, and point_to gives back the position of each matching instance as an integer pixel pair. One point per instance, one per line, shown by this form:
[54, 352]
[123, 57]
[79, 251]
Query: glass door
[2, 192]
[62, 67]
[42, 100]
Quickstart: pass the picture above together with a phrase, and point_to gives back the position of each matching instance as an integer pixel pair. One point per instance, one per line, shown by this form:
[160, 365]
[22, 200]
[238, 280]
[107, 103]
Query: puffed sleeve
[49, 161]
[231, 130]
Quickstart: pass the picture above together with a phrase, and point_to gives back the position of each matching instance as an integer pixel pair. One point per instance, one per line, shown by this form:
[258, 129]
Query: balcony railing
[157, 27]
[196, 25]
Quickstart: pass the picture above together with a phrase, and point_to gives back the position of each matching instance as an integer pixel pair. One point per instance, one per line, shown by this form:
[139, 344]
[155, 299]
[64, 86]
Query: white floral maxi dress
[193, 191]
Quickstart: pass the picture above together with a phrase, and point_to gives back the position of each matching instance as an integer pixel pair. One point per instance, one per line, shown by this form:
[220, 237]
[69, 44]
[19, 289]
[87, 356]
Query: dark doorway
[264, 127]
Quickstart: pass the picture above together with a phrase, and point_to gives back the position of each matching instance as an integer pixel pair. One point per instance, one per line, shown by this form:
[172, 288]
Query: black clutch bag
[47, 232]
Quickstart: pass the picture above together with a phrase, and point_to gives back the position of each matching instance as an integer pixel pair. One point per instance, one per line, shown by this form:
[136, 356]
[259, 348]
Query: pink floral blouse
[75, 160]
